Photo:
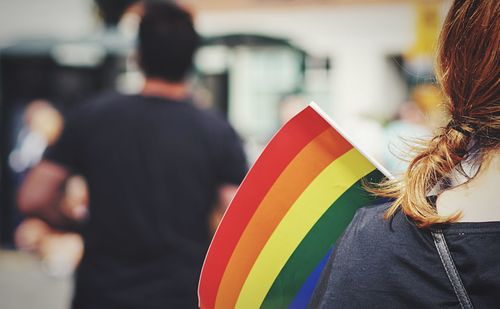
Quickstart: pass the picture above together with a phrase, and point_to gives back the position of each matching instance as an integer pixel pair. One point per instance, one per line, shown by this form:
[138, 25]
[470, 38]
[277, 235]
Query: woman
[402, 260]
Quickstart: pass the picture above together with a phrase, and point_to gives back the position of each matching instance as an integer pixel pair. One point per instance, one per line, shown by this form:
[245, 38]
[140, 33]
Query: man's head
[167, 41]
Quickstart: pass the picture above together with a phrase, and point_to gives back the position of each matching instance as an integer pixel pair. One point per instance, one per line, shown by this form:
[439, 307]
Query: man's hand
[226, 195]
[74, 204]
[41, 193]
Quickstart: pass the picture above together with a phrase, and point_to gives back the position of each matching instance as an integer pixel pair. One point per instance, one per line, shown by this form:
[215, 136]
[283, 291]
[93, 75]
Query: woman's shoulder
[369, 232]
[370, 221]
[374, 259]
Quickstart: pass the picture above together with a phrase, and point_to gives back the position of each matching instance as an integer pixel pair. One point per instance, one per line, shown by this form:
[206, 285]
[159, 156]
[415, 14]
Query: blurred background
[367, 63]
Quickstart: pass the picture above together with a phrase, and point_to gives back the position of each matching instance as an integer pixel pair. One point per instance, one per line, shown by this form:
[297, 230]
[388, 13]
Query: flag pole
[337, 127]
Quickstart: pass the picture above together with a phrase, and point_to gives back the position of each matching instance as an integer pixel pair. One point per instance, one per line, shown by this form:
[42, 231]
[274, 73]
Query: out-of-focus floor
[24, 285]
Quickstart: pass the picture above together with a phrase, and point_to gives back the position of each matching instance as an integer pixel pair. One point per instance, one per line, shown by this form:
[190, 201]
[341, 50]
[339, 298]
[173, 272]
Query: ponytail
[467, 69]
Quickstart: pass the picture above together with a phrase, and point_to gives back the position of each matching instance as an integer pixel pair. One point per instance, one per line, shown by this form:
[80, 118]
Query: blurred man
[154, 165]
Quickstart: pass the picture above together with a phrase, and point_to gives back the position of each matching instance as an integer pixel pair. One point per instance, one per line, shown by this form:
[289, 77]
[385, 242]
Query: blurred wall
[45, 18]
[358, 39]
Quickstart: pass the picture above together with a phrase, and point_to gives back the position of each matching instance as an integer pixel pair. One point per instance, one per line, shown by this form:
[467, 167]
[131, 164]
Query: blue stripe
[303, 298]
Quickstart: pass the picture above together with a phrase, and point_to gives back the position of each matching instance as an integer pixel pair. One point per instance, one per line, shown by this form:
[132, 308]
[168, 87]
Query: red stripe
[294, 136]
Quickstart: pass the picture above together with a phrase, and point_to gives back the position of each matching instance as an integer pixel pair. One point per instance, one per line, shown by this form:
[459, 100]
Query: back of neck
[161, 88]
[478, 199]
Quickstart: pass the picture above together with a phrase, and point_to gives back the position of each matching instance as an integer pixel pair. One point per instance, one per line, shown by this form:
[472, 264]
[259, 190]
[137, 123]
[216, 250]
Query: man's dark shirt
[153, 167]
[394, 264]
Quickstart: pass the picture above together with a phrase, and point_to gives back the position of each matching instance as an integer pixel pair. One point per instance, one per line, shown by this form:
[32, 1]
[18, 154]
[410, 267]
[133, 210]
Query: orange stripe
[301, 171]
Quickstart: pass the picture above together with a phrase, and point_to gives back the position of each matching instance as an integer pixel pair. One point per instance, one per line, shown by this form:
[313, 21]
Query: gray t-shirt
[394, 264]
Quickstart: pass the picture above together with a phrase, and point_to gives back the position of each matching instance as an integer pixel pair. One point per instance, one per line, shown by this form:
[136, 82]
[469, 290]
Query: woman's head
[468, 70]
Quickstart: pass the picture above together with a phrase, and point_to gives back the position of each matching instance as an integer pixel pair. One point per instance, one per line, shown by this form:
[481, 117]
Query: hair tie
[462, 131]
[454, 125]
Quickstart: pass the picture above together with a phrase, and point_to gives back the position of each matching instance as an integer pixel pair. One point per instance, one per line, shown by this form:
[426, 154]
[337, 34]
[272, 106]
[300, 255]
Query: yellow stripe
[340, 175]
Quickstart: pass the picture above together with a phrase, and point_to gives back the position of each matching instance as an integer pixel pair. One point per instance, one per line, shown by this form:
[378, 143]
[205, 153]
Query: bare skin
[479, 199]
[41, 193]
[160, 88]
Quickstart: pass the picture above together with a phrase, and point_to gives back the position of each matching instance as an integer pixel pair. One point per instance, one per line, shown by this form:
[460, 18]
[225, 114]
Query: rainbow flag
[281, 226]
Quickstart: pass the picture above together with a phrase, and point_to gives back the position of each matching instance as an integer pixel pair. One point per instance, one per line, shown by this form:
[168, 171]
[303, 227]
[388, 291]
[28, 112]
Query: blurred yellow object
[427, 27]
[428, 97]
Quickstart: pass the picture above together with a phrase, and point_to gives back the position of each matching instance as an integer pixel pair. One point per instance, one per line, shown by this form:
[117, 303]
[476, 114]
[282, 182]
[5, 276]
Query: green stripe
[317, 243]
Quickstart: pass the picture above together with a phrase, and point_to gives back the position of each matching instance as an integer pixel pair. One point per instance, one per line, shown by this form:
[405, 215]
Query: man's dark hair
[167, 41]
[112, 11]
